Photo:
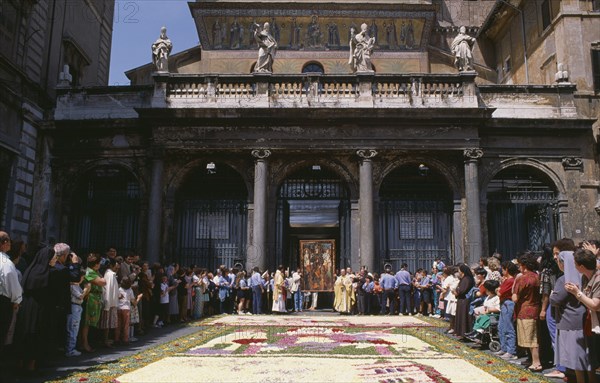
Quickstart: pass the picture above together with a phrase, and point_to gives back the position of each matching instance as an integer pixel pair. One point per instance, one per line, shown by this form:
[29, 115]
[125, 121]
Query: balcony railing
[315, 90]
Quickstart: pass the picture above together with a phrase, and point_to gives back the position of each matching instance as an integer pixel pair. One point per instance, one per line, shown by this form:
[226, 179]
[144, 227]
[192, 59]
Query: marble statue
[161, 49]
[361, 47]
[267, 47]
[461, 47]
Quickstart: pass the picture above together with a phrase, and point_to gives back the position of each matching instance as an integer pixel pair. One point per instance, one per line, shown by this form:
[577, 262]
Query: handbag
[587, 323]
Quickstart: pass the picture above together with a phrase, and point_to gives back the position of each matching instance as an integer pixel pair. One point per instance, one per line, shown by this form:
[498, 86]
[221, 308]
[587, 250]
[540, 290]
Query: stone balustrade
[315, 90]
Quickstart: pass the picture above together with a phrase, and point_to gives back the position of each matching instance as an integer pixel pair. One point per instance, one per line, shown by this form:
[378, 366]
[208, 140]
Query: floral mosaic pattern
[402, 371]
[318, 340]
[359, 352]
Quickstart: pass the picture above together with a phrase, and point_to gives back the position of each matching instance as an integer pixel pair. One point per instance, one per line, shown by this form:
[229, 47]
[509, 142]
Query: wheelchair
[490, 337]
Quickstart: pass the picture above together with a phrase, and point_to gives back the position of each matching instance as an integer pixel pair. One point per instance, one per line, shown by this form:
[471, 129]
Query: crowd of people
[59, 301]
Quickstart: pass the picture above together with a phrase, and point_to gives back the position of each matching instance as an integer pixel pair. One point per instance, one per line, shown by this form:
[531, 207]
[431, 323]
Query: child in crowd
[74, 318]
[425, 287]
[164, 301]
[126, 301]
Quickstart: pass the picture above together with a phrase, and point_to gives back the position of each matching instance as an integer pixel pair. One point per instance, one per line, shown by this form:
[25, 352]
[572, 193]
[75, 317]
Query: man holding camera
[62, 272]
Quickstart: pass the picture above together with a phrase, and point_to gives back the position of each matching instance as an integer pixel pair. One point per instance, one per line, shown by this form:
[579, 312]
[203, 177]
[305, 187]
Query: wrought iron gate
[522, 211]
[211, 232]
[105, 211]
[415, 232]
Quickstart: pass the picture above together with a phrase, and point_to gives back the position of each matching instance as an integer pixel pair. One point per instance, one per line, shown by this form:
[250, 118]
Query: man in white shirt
[11, 293]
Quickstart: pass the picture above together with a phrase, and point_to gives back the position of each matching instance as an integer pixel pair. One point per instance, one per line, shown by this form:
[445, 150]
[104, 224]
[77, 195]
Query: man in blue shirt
[256, 284]
[404, 282]
[368, 287]
[389, 284]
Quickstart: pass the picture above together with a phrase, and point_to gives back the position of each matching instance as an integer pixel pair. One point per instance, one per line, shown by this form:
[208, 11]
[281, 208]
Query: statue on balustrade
[161, 49]
[361, 48]
[462, 47]
[267, 48]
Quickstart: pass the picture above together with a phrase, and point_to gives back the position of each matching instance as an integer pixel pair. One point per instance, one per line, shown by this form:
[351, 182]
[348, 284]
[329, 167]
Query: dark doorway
[312, 204]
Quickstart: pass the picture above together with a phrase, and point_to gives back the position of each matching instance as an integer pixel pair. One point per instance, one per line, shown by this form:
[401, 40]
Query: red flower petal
[523, 379]
[489, 362]
[83, 379]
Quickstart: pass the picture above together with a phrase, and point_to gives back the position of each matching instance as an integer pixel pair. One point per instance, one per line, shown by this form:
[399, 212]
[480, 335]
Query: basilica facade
[206, 161]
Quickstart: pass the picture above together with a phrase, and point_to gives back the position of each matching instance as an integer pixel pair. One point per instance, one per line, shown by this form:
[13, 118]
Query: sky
[137, 25]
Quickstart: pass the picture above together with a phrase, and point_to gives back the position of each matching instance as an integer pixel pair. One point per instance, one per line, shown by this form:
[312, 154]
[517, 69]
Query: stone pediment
[313, 26]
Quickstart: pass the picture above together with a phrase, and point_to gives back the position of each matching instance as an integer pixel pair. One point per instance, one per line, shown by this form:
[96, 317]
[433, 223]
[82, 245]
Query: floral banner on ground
[318, 350]
[333, 320]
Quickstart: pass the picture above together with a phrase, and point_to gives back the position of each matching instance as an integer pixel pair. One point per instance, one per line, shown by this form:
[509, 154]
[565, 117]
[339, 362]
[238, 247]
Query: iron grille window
[313, 184]
[313, 68]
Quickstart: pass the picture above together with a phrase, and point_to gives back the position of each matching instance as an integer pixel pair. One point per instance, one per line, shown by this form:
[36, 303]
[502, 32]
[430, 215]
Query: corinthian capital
[473, 153]
[366, 154]
[261, 154]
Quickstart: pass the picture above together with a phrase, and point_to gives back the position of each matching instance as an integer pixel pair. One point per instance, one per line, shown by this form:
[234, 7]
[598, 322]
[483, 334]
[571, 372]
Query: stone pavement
[312, 347]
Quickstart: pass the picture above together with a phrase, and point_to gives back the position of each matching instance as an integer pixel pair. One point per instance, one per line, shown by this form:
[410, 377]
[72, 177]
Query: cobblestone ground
[318, 347]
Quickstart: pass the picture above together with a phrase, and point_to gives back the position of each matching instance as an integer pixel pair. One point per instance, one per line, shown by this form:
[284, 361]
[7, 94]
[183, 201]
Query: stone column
[155, 208]
[367, 243]
[457, 230]
[257, 252]
[474, 246]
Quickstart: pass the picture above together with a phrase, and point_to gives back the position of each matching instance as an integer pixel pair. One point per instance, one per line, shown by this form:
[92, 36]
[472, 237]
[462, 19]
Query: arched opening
[105, 211]
[211, 215]
[521, 211]
[313, 225]
[313, 67]
[415, 217]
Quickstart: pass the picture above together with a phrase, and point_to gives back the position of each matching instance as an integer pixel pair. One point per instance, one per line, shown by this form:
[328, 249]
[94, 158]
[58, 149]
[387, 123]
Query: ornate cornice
[261, 154]
[366, 154]
[473, 153]
[572, 163]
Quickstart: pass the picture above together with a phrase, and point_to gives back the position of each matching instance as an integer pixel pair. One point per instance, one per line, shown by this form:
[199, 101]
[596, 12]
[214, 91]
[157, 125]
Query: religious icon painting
[317, 259]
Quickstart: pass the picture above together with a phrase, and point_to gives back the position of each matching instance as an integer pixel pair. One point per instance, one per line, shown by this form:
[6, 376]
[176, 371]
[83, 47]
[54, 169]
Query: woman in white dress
[450, 283]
